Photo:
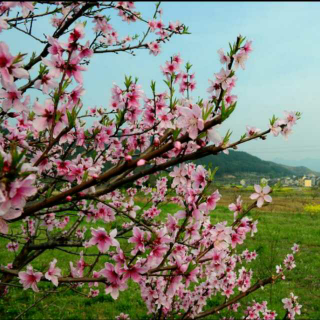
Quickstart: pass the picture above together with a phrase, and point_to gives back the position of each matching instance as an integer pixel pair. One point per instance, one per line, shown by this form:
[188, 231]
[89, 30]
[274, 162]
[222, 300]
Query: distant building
[308, 183]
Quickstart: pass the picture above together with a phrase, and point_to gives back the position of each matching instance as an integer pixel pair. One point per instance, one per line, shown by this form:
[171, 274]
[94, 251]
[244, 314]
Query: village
[307, 181]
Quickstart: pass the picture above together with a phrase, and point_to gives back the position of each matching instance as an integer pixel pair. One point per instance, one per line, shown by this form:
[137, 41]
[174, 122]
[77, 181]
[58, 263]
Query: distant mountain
[241, 164]
[313, 164]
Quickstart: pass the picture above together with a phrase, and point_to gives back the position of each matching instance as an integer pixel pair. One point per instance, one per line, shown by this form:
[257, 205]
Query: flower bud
[68, 198]
[141, 162]
[156, 142]
[13, 114]
[128, 157]
[177, 145]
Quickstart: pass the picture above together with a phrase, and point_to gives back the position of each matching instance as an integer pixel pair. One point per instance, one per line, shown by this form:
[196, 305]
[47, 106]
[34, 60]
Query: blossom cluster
[98, 187]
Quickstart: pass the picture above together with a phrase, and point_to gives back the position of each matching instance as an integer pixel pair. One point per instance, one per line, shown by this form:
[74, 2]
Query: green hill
[241, 164]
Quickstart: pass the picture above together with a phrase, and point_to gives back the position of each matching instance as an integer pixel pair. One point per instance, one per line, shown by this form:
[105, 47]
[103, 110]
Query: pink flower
[93, 293]
[45, 114]
[3, 24]
[275, 128]
[12, 98]
[224, 59]
[251, 131]
[152, 25]
[85, 51]
[131, 209]
[77, 33]
[26, 6]
[73, 69]
[46, 82]
[103, 240]
[192, 276]
[212, 200]
[292, 306]
[56, 48]
[6, 60]
[261, 195]
[53, 273]
[101, 24]
[13, 246]
[7, 213]
[286, 131]
[191, 119]
[199, 177]
[295, 248]
[170, 68]
[291, 118]
[114, 289]
[56, 65]
[154, 48]
[214, 136]
[21, 189]
[132, 272]
[178, 175]
[247, 47]
[138, 239]
[176, 58]
[236, 207]
[104, 212]
[30, 278]
[223, 78]
[123, 316]
[239, 60]
[110, 273]
[172, 224]
[173, 287]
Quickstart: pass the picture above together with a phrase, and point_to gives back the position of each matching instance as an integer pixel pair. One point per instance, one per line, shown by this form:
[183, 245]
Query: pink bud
[81, 194]
[177, 145]
[13, 114]
[128, 158]
[156, 142]
[68, 198]
[141, 162]
[94, 176]
[201, 143]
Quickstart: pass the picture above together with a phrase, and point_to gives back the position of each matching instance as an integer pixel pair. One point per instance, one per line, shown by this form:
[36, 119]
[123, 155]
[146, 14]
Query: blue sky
[282, 72]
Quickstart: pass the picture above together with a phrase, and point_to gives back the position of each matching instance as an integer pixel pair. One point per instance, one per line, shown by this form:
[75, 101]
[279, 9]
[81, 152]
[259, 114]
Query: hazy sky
[282, 72]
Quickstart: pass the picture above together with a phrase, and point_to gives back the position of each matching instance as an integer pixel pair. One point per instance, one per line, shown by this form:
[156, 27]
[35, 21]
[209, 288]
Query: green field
[277, 231]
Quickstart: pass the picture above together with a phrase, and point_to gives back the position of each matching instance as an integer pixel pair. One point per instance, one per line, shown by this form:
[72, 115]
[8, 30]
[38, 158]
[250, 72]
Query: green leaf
[167, 83]
[213, 173]
[85, 176]
[223, 111]
[188, 66]
[227, 137]
[243, 137]
[49, 192]
[176, 134]
[202, 135]
[127, 81]
[70, 118]
[273, 120]
[153, 87]
[191, 267]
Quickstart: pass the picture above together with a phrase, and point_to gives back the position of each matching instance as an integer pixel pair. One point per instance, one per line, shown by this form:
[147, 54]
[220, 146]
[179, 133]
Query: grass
[278, 230]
